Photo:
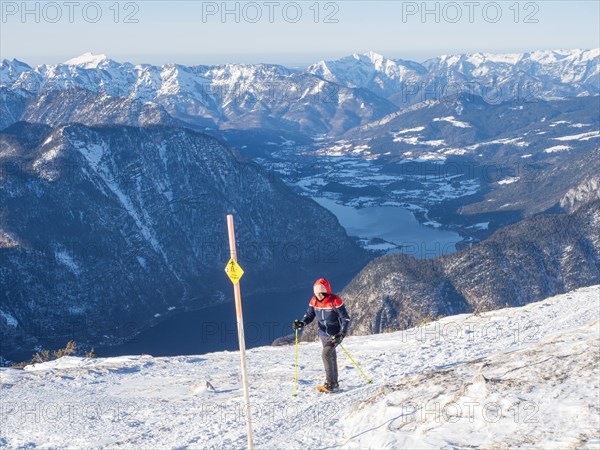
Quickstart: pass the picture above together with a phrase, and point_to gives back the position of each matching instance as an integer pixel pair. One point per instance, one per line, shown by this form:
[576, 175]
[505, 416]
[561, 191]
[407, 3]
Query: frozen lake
[393, 224]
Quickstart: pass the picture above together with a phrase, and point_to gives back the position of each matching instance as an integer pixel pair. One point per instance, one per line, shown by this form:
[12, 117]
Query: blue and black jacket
[331, 314]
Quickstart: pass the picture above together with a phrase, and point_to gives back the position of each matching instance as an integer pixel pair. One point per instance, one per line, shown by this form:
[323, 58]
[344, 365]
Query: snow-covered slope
[519, 377]
[372, 71]
[143, 208]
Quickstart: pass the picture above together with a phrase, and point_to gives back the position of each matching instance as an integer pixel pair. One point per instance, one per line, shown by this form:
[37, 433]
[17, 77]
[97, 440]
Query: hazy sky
[290, 33]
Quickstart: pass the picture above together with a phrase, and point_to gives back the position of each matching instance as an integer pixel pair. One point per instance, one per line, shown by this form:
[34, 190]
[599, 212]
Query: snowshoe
[328, 387]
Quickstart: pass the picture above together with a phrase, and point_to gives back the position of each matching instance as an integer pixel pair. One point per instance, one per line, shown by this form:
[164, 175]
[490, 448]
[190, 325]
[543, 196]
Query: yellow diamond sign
[234, 271]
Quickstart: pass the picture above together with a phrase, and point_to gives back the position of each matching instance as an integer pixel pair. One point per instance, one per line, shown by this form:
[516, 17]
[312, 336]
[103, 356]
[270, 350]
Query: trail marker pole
[296, 368]
[235, 272]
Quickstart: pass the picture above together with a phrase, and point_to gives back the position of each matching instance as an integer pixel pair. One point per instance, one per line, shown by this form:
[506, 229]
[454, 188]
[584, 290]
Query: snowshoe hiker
[333, 320]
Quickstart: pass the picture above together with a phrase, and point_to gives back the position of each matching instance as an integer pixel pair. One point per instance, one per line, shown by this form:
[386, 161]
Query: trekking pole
[354, 362]
[296, 367]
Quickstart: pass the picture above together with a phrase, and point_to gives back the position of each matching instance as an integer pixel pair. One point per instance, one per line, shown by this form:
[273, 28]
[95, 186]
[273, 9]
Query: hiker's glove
[297, 324]
[338, 338]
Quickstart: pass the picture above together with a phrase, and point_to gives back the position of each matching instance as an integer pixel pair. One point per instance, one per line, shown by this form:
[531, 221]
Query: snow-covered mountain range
[227, 96]
[543, 74]
[328, 97]
[522, 377]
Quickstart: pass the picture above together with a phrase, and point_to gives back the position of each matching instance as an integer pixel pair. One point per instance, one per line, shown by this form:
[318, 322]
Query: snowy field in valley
[522, 377]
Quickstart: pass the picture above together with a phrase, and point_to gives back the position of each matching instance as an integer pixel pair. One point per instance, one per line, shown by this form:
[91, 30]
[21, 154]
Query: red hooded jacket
[331, 314]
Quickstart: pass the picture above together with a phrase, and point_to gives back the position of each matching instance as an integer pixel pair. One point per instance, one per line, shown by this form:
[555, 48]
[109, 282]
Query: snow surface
[579, 137]
[453, 121]
[557, 148]
[517, 377]
[6, 240]
[481, 225]
[87, 60]
[509, 180]
[513, 141]
[63, 256]
[410, 130]
[10, 320]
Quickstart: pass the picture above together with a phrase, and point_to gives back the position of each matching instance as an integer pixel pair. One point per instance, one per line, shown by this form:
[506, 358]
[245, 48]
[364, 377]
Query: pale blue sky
[176, 31]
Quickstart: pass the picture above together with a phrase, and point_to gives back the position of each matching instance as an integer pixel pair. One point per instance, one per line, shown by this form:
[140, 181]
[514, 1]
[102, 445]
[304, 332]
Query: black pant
[329, 356]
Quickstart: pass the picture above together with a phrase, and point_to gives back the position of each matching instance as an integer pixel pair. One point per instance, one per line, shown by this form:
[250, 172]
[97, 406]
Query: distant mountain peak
[14, 62]
[88, 60]
[371, 56]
